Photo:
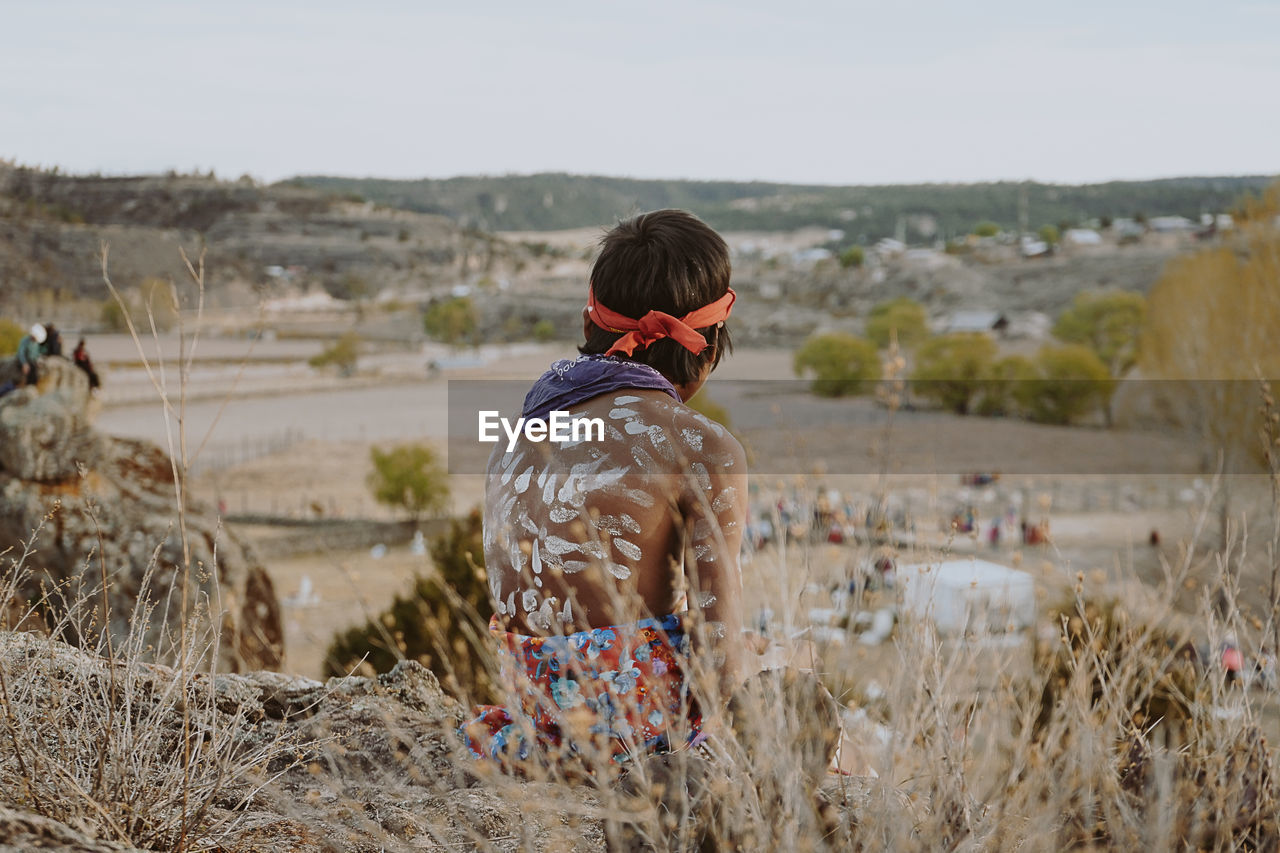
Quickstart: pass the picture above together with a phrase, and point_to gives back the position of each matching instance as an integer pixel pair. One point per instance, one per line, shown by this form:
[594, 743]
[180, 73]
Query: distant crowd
[44, 340]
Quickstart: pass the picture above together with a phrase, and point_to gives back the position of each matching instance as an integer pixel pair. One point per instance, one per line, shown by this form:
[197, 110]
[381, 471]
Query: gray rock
[86, 504]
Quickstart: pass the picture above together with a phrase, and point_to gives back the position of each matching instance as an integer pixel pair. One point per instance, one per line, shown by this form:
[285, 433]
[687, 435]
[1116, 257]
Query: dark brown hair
[665, 260]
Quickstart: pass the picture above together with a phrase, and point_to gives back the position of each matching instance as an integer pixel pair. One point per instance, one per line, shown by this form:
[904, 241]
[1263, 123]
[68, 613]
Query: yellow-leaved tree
[1212, 327]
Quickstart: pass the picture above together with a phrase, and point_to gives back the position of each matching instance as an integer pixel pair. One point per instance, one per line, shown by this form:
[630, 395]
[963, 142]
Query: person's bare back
[604, 532]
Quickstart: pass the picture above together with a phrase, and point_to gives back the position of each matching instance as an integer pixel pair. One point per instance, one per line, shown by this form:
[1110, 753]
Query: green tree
[986, 229]
[902, 316]
[1108, 322]
[409, 477]
[853, 257]
[950, 369]
[1070, 381]
[998, 392]
[544, 331]
[1050, 234]
[11, 335]
[841, 364]
[452, 320]
[343, 354]
[436, 623]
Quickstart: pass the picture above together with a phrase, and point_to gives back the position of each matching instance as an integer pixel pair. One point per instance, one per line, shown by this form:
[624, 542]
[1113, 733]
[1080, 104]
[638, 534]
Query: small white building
[964, 596]
[979, 320]
[1082, 237]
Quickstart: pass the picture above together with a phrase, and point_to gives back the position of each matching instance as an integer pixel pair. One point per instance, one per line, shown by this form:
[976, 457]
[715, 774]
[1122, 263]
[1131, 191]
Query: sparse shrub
[986, 229]
[950, 369]
[437, 623]
[841, 364]
[409, 477]
[903, 317]
[452, 321]
[159, 304]
[709, 408]
[343, 354]
[544, 331]
[853, 257]
[10, 336]
[1050, 234]
[1069, 382]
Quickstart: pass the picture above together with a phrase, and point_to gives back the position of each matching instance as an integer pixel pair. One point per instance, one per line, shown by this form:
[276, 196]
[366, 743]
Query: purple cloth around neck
[572, 381]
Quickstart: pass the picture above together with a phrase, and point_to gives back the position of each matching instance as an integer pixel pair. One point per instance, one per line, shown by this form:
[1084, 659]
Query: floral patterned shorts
[621, 686]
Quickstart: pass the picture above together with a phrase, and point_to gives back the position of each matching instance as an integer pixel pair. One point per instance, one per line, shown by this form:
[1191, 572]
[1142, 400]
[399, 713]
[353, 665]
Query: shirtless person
[597, 551]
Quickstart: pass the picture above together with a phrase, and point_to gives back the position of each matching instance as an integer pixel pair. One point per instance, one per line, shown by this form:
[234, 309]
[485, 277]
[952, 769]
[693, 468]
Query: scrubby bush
[436, 623]
[903, 317]
[1069, 382]
[409, 477]
[452, 321]
[841, 364]
[986, 229]
[998, 392]
[10, 336]
[853, 257]
[705, 406]
[950, 369]
[343, 354]
[544, 331]
[1049, 234]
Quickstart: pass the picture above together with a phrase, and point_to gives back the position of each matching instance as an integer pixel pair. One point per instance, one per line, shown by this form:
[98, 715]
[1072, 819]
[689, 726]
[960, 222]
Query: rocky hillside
[84, 505]
[257, 238]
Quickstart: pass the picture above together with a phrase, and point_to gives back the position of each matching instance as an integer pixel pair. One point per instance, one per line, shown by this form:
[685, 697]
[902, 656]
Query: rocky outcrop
[44, 432]
[354, 764]
[90, 505]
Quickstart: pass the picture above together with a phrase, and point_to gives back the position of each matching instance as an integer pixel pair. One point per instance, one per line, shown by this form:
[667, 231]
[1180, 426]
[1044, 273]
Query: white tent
[963, 596]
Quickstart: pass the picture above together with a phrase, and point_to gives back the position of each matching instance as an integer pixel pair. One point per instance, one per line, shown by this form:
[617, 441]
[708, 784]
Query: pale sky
[797, 91]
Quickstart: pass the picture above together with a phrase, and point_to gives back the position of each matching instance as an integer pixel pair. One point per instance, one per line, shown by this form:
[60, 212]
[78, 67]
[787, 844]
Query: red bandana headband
[656, 325]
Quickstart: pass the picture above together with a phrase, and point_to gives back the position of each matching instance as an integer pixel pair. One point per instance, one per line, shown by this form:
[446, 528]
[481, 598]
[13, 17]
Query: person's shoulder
[709, 439]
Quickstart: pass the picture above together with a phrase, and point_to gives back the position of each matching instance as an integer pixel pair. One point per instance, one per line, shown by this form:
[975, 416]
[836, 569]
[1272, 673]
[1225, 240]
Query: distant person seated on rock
[613, 561]
[29, 352]
[81, 357]
[53, 340]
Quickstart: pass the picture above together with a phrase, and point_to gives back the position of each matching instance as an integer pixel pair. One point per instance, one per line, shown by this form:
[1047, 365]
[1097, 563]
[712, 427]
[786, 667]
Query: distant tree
[1212, 322]
[342, 354]
[1108, 322]
[1050, 234]
[452, 321]
[998, 393]
[986, 229]
[1069, 382]
[544, 330]
[950, 369]
[854, 256]
[1104, 221]
[903, 317]
[704, 405]
[1257, 209]
[436, 623]
[409, 477]
[11, 335]
[841, 364]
